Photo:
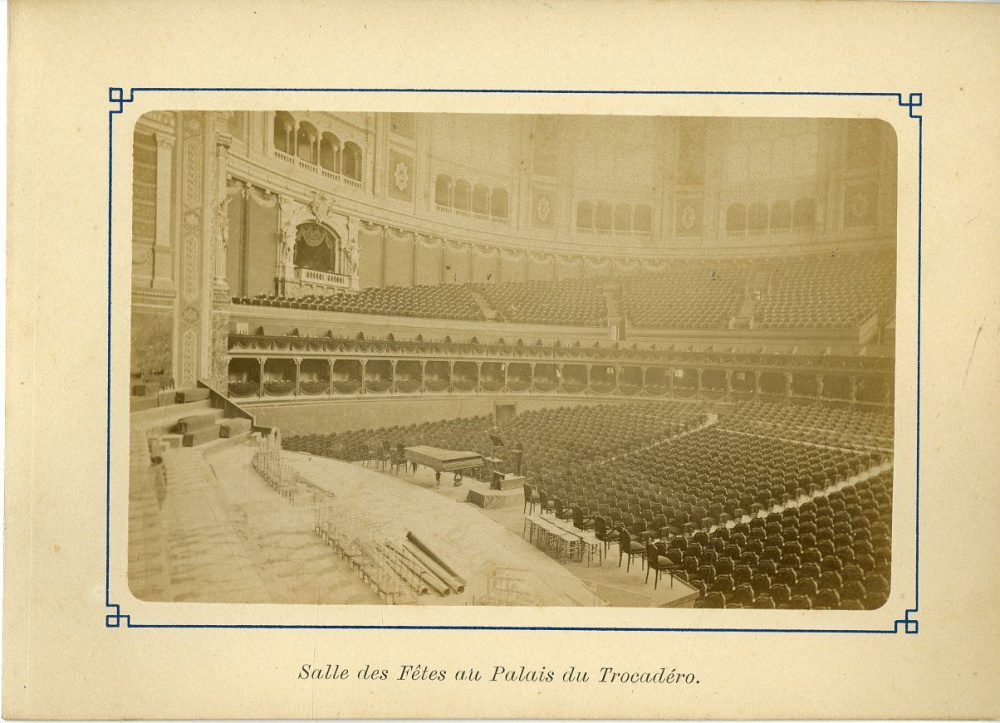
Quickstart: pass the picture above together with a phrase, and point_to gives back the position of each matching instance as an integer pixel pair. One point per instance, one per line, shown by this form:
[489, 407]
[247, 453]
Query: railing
[466, 213]
[377, 387]
[244, 389]
[346, 387]
[319, 170]
[408, 386]
[464, 385]
[320, 386]
[322, 278]
[280, 388]
[619, 232]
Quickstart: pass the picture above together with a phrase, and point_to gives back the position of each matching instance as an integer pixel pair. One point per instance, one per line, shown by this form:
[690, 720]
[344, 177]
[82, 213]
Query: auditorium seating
[442, 301]
[688, 295]
[835, 426]
[830, 291]
[463, 434]
[572, 302]
[563, 437]
[832, 552]
[701, 479]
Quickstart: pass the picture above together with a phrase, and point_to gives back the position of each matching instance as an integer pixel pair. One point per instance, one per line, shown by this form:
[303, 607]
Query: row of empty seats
[834, 426]
[835, 291]
[572, 302]
[463, 433]
[829, 291]
[688, 295]
[442, 301]
[699, 480]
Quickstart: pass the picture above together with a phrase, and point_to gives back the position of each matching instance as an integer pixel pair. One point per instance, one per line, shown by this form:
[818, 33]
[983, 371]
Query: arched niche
[317, 247]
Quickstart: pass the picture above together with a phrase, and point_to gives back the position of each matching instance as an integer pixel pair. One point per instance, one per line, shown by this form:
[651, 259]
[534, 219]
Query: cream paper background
[59, 658]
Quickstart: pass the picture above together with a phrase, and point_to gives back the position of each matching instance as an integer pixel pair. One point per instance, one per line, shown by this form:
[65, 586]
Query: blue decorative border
[913, 103]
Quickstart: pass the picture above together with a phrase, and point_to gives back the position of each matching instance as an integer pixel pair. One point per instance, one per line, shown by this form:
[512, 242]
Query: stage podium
[507, 481]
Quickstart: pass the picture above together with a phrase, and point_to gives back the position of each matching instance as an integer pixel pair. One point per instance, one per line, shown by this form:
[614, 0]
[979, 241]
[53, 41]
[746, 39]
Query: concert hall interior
[543, 360]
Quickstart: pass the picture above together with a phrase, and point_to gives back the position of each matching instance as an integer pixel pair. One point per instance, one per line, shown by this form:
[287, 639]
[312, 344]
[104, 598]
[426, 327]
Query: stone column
[162, 249]
[219, 203]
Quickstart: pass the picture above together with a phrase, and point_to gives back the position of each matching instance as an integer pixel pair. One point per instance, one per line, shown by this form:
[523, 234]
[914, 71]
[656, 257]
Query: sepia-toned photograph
[442, 359]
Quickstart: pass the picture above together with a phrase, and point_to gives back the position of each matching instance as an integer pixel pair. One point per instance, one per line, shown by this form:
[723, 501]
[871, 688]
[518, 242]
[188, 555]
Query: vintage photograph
[512, 360]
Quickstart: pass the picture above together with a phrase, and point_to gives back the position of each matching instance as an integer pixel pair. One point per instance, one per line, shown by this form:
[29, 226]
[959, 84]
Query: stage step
[168, 424]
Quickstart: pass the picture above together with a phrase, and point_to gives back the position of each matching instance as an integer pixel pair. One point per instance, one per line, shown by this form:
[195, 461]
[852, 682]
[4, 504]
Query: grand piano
[444, 460]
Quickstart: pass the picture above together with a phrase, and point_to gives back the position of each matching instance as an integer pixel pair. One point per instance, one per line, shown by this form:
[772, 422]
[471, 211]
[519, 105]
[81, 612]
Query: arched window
[585, 215]
[316, 248]
[284, 127]
[442, 190]
[351, 162]
[781, 215]
[603, 216]
[642, 220]
[306, 141]
[804, 216]
[623, 217]
[736, 218]
[481, 199]
[757, 216]
[499, 204]
[463, 195]
[329, 150]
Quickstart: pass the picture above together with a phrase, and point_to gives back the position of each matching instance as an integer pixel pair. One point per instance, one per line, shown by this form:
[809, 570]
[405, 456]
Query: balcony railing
[466, 213]
[320, 386]
[244, 389]
[346, 387]
[318, 170]
[617, 232]
[279, 388]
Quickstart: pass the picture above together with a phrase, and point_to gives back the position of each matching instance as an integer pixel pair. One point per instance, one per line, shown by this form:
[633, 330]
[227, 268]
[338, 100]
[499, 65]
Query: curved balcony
[408, 386]
[602, 387]
[281, 388]
[377, 387]
[244, 389]
[346, 387]
[518, 385]
[574, 387]
[319, 386]
[437, 385]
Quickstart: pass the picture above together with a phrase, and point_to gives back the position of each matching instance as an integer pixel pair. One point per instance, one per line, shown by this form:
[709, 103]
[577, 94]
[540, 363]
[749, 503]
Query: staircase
[755, 290]
[488, 311]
